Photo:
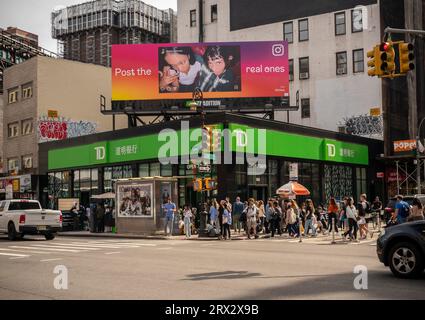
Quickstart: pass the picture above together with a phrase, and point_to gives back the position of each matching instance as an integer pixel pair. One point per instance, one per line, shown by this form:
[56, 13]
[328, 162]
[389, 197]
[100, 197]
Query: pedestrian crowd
[96, 218]
[253, 217]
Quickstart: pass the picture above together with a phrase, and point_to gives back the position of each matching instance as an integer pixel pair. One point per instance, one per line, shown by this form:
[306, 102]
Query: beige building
[49, 99]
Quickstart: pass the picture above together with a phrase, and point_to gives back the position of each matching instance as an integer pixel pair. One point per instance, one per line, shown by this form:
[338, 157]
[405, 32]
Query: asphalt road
[179, 269]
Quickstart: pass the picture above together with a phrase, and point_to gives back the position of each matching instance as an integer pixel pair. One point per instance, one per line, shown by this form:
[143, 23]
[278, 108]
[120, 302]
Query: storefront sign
[293, 171]
[404, 145]
[380, 175]
[375, 112]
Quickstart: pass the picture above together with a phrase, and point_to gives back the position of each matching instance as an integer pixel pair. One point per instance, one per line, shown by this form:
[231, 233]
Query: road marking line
[108, 253]
[167, 248]
[13, 254]
[66, 246]
[14, 250]
[16, 258]
[47, 260]
[103, 246]
[48, 249]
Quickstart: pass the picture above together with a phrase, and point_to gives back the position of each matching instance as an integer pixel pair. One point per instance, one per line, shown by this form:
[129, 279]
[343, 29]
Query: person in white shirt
[352, 215]
[251, 218]
[187, 214]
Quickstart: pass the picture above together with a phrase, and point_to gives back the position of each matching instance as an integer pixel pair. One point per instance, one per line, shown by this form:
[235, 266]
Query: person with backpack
[402, 210]
[351, 213]
[363, 209]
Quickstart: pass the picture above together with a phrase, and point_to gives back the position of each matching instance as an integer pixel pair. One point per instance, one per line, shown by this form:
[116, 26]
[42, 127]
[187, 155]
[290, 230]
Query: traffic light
[406, 57]
[210, 184]
[197, 185]
[386, 57]
[374, 63]
[206, 139]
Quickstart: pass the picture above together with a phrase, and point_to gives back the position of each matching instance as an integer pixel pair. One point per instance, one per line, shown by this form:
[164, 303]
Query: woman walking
[309, 218]
[214, 215]
[187, 216]
[363, 208]
[332, 214]
[261, 215]
[291, 220]
[351, 213]
[226, 220]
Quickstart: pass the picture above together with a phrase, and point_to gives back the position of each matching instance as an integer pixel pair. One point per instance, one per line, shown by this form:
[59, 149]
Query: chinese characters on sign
[124, 150]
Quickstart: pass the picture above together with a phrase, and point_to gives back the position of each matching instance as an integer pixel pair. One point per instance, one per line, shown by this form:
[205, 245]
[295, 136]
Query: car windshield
[23, 206]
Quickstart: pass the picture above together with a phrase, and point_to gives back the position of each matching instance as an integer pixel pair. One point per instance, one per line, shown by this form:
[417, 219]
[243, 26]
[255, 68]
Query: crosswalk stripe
[4, 249]
[67, 246]
[107, 246]
[48, 249]
[13, 254]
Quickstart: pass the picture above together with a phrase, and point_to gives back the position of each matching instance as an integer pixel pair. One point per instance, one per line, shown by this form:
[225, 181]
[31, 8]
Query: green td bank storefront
[249, 157]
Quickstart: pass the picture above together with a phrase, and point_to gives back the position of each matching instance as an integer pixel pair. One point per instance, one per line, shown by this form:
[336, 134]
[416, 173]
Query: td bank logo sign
[99, 153]
[338, 152]
[331, 150]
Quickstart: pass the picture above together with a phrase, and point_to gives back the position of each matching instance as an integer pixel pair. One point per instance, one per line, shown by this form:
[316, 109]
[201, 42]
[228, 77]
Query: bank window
[361, 181]
[27, 162]
[13, 129]
[340, 23]
[356, 20]
[166, 170]
[291, 70]
[303, 30]
[27, 91]
[305, 108]
[193, 18]
[13, 95]
[144, 170]
[107, 179]
[155, 169]
[304, 68]
[94, 181]
[288, 32]
[341, 63]
[358, 61]
[77, 183]
[12, 164]
[214, 13]
[127, 172]
[85, 180]
[27, 127]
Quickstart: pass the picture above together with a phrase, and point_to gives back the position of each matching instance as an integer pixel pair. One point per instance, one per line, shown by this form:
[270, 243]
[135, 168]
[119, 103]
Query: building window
[303, 30]
[27, 127]
[304, 68]
[339, 23]
[166, 170]
[193, 18]
[27, 162]
[13, 164]
[358, 61]
[13, 95]
[144, 170]
[13, 129]
[291, 69]
[155, 169]
[288, 32]
[361, 181]
[356, 20]
[341, 63]
[214, 13]
[305, 108]
[27, 91]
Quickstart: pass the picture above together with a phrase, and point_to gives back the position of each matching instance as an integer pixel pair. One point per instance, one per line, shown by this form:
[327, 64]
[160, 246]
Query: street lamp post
[418, 160]
[197, 95]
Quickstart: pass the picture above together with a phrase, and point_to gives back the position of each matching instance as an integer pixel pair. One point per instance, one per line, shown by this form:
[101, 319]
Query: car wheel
[49, 236]
[11, 232]
[405, 260]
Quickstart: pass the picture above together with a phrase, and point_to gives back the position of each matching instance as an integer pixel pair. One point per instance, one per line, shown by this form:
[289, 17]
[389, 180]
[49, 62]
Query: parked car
[21, 217]
[390, 208]
[402, 248]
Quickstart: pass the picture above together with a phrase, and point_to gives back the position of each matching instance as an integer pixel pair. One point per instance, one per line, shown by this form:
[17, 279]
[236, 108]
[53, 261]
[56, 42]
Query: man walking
[236, 212]
[402, 210]
[170, 209]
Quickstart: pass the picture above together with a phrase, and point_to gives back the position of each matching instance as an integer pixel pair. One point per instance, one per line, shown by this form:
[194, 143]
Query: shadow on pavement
[229, 275]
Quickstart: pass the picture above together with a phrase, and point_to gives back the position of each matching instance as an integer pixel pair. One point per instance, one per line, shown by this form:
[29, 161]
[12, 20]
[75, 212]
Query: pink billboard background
[253, 69]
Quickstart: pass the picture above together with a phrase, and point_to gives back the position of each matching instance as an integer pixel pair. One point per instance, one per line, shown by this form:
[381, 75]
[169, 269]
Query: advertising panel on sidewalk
[134, 200]
[220, 70]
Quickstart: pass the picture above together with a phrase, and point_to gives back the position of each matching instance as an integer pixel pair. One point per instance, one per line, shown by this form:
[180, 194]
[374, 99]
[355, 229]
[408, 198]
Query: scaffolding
[86, 32]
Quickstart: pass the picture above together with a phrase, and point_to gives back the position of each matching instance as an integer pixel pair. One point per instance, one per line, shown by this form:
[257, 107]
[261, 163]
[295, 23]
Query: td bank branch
[252, 159]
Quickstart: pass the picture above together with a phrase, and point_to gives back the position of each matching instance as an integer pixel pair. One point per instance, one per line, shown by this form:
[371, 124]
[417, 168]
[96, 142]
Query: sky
[34, 16]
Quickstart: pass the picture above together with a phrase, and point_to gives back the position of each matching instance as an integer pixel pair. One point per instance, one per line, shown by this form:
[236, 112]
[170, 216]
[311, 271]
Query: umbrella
[292, 188]
[108, 195]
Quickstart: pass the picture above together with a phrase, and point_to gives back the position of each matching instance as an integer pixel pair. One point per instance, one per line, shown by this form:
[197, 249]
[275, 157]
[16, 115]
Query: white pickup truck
[21, 217]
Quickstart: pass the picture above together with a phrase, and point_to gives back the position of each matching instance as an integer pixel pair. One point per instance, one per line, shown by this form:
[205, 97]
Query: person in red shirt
[333, 214]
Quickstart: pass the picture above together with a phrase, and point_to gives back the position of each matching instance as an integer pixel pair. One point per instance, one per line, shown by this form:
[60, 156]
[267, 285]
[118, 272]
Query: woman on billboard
[179, 69]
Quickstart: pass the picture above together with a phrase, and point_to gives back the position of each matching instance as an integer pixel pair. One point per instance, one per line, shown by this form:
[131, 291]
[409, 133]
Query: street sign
[205, 168]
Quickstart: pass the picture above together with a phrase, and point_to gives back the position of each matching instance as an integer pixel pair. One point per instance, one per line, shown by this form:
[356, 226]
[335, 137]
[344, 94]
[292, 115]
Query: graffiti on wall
[364, 125]
[49, 129]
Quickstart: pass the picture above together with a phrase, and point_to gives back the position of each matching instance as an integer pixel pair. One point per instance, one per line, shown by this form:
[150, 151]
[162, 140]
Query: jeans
[308, 225]
[169, 224]
[226, 231]
[236, 223]
[187, 229]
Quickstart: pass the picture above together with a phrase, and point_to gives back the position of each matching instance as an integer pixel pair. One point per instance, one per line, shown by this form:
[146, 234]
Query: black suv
[402, 248]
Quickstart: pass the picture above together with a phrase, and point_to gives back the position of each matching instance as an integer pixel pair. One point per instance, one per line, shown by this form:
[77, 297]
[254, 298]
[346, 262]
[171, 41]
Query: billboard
[220, 70]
